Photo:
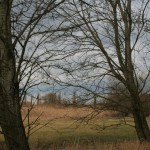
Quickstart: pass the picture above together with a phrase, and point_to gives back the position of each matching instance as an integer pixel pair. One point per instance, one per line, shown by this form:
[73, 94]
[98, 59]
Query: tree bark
[141, 125]
[10, 111]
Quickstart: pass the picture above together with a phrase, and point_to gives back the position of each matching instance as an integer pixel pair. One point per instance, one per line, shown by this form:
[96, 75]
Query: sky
[66, 58]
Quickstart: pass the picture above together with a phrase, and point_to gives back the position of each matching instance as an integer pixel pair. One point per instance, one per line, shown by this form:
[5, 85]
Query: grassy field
[71, 128]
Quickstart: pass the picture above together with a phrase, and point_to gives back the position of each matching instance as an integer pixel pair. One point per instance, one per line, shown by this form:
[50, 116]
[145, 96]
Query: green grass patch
[67, 130]
[60, 131]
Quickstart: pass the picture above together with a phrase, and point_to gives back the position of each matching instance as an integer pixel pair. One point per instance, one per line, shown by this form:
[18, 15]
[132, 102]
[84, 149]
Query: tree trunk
[141, 125]
[10, 113]
[95, 102]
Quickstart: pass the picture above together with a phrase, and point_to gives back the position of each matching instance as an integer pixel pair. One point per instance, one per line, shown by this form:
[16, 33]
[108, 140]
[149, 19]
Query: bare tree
[50, 98]
[74, 99]
[107, 38]
[20, 21]
[38, 99]
[119, 99]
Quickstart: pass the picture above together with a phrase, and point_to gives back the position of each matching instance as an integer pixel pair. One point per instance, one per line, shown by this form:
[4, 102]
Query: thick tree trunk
[10, 113]
[13, 129]
[141, 125]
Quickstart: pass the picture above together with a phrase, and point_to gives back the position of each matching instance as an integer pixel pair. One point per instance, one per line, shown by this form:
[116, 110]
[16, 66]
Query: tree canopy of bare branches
[108, 38]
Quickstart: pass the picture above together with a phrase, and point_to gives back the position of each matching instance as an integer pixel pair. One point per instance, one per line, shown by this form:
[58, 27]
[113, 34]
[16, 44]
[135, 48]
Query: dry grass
[52, 112]
[88, 146]
[116, 146]
[67, 113]
[61, 132]
[93, 146]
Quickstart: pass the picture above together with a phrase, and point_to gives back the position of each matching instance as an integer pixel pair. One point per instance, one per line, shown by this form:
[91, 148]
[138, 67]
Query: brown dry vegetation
[61, 117]
[65, 112]
[89, 146]
[94, 146]
[54, 111]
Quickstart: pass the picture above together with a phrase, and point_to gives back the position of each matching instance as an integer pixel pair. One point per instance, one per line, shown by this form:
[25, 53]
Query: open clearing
[72, 128]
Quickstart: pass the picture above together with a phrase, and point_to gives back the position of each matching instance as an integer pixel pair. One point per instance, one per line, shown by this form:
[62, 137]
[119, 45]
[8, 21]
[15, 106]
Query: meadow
[78, 128]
